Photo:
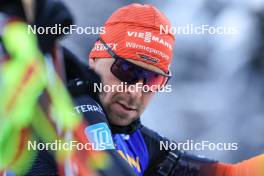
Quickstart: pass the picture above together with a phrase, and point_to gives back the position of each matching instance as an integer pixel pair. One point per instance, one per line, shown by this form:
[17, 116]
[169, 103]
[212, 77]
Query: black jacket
[160, 162]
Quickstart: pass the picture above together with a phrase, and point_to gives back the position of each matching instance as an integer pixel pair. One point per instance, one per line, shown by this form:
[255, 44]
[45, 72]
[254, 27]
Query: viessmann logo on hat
[149, 37]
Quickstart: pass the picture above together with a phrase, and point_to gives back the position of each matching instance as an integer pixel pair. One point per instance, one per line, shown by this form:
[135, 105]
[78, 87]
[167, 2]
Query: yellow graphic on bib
[132, 162]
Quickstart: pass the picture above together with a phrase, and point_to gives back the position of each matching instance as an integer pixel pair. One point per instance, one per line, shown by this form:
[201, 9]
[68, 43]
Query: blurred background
[218, 80]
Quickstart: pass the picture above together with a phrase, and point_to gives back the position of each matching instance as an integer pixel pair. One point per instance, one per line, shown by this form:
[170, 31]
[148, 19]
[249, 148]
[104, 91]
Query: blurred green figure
[31, 75]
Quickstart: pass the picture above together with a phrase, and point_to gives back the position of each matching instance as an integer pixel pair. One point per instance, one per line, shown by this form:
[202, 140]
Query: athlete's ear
[92, 63]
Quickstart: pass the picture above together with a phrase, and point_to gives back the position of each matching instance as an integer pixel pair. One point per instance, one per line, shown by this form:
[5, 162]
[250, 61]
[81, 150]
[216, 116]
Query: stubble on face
[122, 108]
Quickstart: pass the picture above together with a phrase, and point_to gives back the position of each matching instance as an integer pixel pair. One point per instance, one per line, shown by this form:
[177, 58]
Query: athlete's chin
[120, 116]
[121, 120]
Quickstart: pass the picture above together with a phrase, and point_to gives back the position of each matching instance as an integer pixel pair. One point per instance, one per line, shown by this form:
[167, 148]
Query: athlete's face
[122, 107]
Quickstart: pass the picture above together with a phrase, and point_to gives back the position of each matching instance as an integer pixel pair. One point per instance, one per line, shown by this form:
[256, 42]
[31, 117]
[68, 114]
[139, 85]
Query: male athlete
[133, 53]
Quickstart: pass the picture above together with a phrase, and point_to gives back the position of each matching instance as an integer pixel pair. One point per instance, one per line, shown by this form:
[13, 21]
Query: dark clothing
[137, 144]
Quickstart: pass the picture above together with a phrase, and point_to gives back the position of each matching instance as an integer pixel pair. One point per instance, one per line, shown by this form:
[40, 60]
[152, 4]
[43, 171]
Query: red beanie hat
[133, 32]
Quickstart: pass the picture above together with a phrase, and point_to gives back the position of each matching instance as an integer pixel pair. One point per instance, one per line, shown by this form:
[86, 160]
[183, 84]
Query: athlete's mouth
[126, 107]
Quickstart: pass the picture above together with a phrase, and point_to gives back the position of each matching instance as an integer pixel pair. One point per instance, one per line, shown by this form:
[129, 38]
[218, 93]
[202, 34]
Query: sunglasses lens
[130, 73]
[157, 80]
[124, 71]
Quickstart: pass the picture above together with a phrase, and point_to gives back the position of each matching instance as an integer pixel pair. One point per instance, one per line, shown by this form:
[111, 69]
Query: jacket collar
[129, 129]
